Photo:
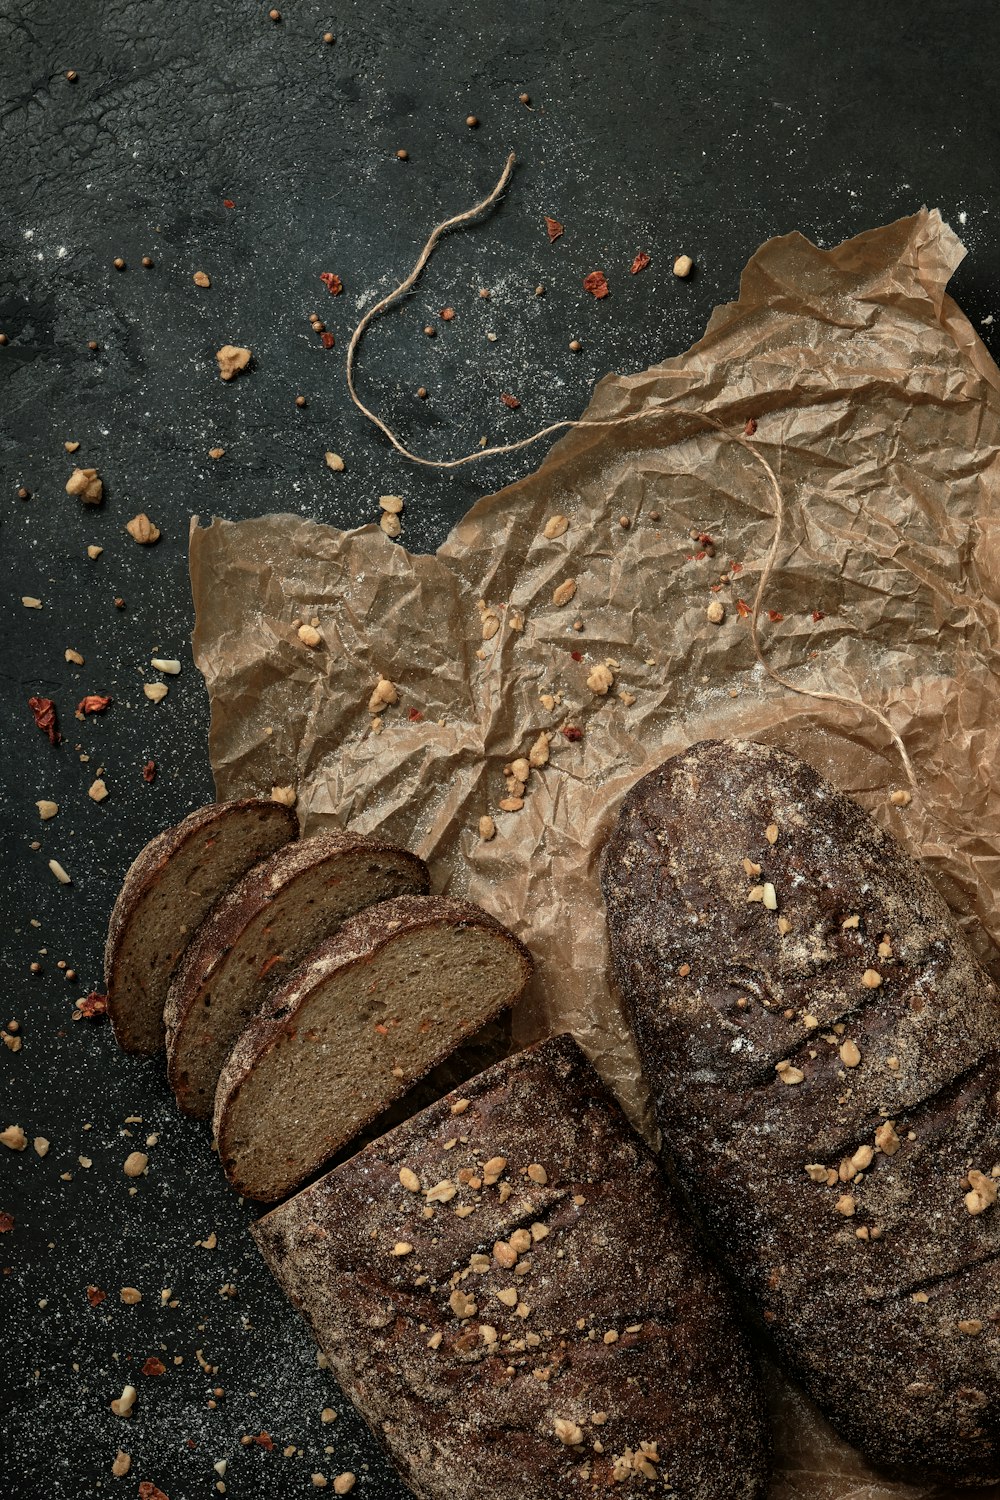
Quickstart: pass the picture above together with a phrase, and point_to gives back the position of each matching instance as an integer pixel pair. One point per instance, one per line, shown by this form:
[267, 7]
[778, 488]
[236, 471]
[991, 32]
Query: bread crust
[356, 942]
[465, 1418]
[148, 867]
[233, 914]
[770, 1049]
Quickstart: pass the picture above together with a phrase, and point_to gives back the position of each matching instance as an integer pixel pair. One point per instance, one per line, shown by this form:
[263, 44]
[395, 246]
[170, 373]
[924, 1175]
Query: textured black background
[692, 127]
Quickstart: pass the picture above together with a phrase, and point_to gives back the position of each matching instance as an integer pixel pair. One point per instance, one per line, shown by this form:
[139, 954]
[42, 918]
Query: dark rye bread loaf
[504, 1288]
[258, 933]
[167, 892]
[370, 1012]
[823, 1050]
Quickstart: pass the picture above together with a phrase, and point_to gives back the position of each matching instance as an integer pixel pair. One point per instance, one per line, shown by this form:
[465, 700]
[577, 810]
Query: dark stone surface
[696, 128]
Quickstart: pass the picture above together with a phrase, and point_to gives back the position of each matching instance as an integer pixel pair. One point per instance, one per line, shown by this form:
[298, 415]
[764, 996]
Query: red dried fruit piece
[332, 282]
[774, 615]
[751, 427]
[94, 703]
[149, 771]
[640, 263]
[228, 203]
[6, 1222]
[510, 401]
[553, 227]
[576, 655]
[95, 1296]
[742, 608]
[596, 284]
[92, 1006]
[264, 1440]
[817, 616]
[572, 733]
[736, 567]
[414, 715]
[154, 1366]
[150, 1491]
[44, 711]
[327, 340]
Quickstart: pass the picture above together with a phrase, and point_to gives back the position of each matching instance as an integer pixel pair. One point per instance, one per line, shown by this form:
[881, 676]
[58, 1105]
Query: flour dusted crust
[504, 1289]
[818, 1008]
[148, 870]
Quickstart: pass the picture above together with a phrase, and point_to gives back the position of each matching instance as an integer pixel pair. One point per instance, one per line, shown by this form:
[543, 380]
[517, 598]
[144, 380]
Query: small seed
[564, 593]
[170, 665]
[274, 15]
[771, 833]
[524, 98]
[59, 872]
[422, 392]
[575, 345]
[119, 263]
[328, 38]
[683, 266]
[770, 897]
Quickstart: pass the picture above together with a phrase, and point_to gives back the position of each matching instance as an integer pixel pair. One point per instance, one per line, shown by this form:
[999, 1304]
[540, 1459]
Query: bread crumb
[392, 504]
[46, 809]
[970, 1326]
[97, 791]
[121, 1464]
[309, 636]
[846, 1205]
[142, 530]
[487, 828]
[383, 694]
[567, 1432]
[871, 979]
[899, 798]
[286, 795]
[600, 679]
[231, 360]
[13, 1138]
[334, 462]
[390, 524]
[564, 593]
[87, 485]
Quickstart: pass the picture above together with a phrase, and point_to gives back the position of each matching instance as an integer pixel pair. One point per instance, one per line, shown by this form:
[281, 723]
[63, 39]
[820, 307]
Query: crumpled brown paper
[878, 409]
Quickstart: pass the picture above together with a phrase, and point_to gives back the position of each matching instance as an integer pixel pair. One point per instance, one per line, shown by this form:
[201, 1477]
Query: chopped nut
[899, 798]
[393, 504]
[461, 1305]
[538, 755]
[30, 602]
[401, 1248]
[201, 278]
[983, 1192]
[755, 893]
[286, 795]
[409, 1180]
[886, 1139]
[94, 552]
[344, 1483]
[771, 833]
[73, 656]
[97, 791]
[850, 1054]
[41, 1145]
[862, 1158]
[121, 1464]
[60, 874]
[383, 694]
[683, 266]
[715, 613]
[320, 1481]
[123, 1406]
[538, 1174]
[130, 1295]
[142, 530]
[494, 1170]
[46, 809]
[871, 979]
[520, 1241]
[231, 360]
[505, 1255]
[816, 1172]
[600, 679]
[327, 1415]
[487, 828]
[87, 484]
[309, 636]
[490, 626]
[155, 691]
[390, 524]
[511, 804]
[135, 1164]
[564, 593]
[13, 1138]
[555, 526]
[846, 1205]
[508, 1296]
[334, 462]
[770, 896]
[788, 1074]
[170, 665]
[567, 1432]
[971, 1326]
[441, 1192]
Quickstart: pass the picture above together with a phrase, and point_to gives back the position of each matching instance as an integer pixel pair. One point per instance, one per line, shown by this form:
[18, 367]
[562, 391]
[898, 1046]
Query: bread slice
[369, 1012]
[523, 1305]
[167, 891]
[258, 933]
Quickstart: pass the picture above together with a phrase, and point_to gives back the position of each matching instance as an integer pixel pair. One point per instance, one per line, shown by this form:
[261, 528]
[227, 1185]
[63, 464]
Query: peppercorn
[539, 291]
[274, 15]
[119, 603]
[70, 974]
[402, 155]
[328, 38]
[429, 330]
[4, 339]
[300, 401]
[71, 76]
[524, 98]
[23, 494]
[422, 392]
[318, 327]
[624, 522]
[92, 345]
[35, 967]
[471, 121]
[575, 345]
[147, 261]
[119, 263]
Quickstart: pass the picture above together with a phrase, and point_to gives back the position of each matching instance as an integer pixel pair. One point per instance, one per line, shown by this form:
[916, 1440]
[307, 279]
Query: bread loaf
[167, 891]
[257, 934]
[504, 1289]
[370, 1011]
[823, 1049]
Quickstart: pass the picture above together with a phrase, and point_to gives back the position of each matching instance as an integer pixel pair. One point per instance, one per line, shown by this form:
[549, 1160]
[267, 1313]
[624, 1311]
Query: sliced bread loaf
[258, 933]
[369, 1012]
[167, 892]
[521, 1313]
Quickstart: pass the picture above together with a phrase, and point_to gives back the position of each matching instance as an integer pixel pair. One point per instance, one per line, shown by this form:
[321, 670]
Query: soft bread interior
[357, 1043]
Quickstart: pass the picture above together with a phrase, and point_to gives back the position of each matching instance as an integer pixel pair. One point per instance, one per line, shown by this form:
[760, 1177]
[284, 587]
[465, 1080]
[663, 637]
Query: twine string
[645, 412]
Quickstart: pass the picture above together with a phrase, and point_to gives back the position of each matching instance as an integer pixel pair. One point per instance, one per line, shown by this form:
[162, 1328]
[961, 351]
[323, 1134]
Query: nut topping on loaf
[827, 1089]
[549, 1329]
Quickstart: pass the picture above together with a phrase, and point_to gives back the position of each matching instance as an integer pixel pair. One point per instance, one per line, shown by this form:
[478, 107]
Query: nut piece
[142, 530]
[461, 1305]
[886, 1139]
[94, 552]
[130, 1295]
[683, 266]
[286, 795]
[816, 1172]
[13, 1138]
[409, 1180]
[769, 896]
[850, 1054]
[487, 828]
[393, 504]
[231, 360]
[73, 656]
[310, 636]
[344, 1483]
[871, 979]
[982, 1196]
[46, 809]
[390, 524]
[155, 691]
[789, 1074]
[555, 526]
[87, 485]
[97, 791]
[538, 755]
[121, 1465]
[135, 1164]
[567, 1432]
[123, 1406]
[505, 1255]
[60, 874]
[334, 462]
[401, 1248]
[201, 278]
[170, 665]
[538, 1174]
[599, 680]
[41, 1145]
[971, 1326]
[564, 593]
[383, 694]
[846, 1205]
[899, 798]
[862, 1158]
[716, 612]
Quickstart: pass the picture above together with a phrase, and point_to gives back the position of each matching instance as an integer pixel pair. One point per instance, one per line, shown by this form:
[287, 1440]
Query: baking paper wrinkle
[878, 408]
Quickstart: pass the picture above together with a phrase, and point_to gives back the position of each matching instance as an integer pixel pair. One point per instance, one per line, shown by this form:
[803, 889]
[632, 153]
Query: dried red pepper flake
[751, 427]
[44, 711]
[553, 227]
[93, 703]
[332, 282]
[93, 1006]
[228, 203]
[149, 771]
[640, 263]
[264, 1440]
[510, 401]
[95, 1296]
[742, 608]
[774, 615]
[817, 616]
[596, 284]
[735, 567]
[149, 1491]
[6, 1222]
[572, 733]
[154, 1366]
[327, 340]
[576, 655]
[414, 715]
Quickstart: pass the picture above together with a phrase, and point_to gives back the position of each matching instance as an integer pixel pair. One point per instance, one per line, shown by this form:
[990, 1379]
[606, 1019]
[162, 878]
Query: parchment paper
[879, 410]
